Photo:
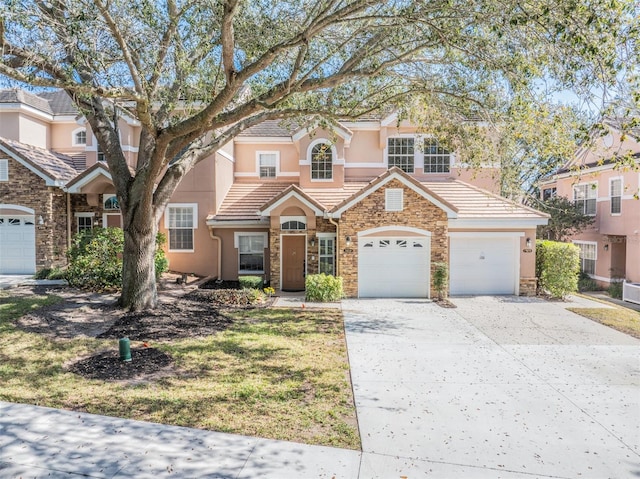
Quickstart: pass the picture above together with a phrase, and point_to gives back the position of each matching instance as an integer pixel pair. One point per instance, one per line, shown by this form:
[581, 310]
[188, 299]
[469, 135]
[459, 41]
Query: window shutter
[4, 170]
[394, 199]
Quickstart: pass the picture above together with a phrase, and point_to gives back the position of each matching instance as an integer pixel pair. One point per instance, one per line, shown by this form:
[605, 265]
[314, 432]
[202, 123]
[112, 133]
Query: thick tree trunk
[139, 290]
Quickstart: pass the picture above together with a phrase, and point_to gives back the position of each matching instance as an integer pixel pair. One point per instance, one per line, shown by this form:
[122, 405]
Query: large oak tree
[196, 73]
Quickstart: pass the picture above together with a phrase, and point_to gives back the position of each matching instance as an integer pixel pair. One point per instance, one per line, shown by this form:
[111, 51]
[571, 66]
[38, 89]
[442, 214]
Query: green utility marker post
[125, 349]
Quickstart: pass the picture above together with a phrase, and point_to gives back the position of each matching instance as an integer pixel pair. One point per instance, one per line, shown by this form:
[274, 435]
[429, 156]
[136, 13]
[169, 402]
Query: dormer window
[436, 158]
[79, 137]
[321, 161]
[401, 153]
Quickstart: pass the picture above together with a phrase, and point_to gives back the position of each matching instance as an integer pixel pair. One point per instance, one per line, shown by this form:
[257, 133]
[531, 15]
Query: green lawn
[275, 373]
[622, 319]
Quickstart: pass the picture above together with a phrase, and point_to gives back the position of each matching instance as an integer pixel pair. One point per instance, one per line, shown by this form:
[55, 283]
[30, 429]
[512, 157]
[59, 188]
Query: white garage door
[17, 245]
[484, 265]
[393, 267]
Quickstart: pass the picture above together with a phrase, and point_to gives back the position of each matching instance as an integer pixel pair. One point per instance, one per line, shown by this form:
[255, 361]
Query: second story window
[80, 137]
[549, 193]
[436, 158]
[321, 162]
[400, 153]
[615, 191]
[584, 198]
[110, 202]
[267, 164]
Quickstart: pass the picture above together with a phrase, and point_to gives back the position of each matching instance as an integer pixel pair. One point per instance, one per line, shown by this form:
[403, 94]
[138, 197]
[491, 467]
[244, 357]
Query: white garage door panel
[393, 267]
[17, 245]
[484, 265]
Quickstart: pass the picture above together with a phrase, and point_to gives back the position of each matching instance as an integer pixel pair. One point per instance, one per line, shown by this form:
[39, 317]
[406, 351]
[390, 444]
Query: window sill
[249, 272]
[182, 251]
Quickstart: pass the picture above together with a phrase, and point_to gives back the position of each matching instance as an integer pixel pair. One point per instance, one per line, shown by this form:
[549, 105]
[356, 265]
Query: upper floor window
[587, 256]
[4, 170]
[401, 153]
[79, 137]
[321, 161]
[585, 197]
[267, 164]
[615, 191]
[436, 158]
[181, 220]
[293, 223]
[100, 154]
[110, 202]
[549, 193]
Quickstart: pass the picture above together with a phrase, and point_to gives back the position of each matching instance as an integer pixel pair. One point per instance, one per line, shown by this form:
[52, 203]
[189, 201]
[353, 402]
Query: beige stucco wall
[10, 126]
[245, 155]
[33, 131]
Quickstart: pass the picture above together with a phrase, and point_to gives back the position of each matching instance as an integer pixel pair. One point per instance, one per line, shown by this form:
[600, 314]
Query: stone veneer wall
[25, 188]
[79, 204]
[528, 286]
[370, 213]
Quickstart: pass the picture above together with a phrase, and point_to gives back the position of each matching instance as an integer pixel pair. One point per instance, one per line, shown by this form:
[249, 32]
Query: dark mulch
[185, 318]
[145, 363]
[215, 284]
[444, 303]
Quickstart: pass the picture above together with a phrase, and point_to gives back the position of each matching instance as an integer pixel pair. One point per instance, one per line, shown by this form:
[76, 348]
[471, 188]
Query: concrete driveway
[501, 387]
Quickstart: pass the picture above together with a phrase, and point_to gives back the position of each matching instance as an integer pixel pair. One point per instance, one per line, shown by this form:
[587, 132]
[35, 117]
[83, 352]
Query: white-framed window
[401, 153]
[181, 220]
[110, 202]
[268, 163]
[585, 197]
[548, 193]
[79, 137]
[4, 170]
[293, 223]
[100, 155]
[615, 193]
[588, 256]
[84, 221]
[327, 253]
[394, 199]
[322, 161]
[437, 159]
[250, 252]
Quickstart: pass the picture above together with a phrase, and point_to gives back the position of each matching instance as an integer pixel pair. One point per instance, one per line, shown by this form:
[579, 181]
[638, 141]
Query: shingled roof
[54, 166]
[60, 103]
[26, 98]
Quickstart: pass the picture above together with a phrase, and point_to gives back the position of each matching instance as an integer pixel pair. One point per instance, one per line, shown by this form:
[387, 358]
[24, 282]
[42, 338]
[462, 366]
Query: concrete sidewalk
[40, 442]
[8, 281]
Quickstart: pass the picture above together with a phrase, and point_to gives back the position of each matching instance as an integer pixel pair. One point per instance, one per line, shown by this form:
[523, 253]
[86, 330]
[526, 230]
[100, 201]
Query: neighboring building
[372, 201]
[601, 186]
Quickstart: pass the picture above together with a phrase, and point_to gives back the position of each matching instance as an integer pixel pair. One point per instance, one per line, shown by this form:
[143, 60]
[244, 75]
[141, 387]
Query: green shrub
[615, 289]
[251, 282]
[440, 279]
[586, 283]
[162, 263]
[323, 288]
[95, 258]
[557, 267]
[228, 297]
[50, 273]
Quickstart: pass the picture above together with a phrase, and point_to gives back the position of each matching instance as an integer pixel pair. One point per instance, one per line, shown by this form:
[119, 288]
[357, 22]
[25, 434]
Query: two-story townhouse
[374, 201]
[603, 186]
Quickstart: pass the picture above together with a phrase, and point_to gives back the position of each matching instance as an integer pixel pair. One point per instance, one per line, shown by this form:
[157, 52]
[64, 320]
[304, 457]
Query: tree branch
[227, 38]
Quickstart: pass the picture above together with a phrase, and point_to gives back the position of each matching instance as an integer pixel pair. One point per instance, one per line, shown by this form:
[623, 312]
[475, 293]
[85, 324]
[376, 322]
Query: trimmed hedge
[323, 288]
[251, 282]
[557, 267]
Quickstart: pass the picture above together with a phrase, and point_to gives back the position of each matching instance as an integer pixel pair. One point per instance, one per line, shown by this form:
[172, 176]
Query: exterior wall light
[348, 241]
[528, 242]
[606, 247]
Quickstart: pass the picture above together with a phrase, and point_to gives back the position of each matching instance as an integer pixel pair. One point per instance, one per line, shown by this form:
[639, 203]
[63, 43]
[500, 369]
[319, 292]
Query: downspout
[333, 222]
[219, 240]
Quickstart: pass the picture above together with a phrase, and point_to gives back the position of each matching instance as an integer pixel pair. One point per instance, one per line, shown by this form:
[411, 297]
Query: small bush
[323, 288]
[50, 273]
[162, 263]
[615, 289]
[440, 279]
[557, 267]
[586, 283]
[228, 297]
[251, 282]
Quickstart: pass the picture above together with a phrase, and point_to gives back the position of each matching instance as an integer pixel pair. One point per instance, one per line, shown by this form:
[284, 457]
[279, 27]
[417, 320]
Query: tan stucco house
[373, 201]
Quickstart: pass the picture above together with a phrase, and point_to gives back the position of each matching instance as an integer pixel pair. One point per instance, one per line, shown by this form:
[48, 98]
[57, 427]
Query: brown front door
[293, 263]
[114, 221]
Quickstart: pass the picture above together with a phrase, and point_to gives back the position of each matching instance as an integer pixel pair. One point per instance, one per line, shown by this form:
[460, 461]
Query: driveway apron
[501, 387]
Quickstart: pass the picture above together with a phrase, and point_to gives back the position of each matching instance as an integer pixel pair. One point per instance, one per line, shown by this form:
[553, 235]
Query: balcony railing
[631, 292]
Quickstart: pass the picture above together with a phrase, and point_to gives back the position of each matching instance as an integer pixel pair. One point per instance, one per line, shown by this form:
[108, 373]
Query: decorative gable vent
[4, 170]
[394, 200]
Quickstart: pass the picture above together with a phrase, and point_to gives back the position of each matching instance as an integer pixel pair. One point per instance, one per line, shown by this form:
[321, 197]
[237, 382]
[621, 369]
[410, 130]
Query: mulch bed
[145, 363]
